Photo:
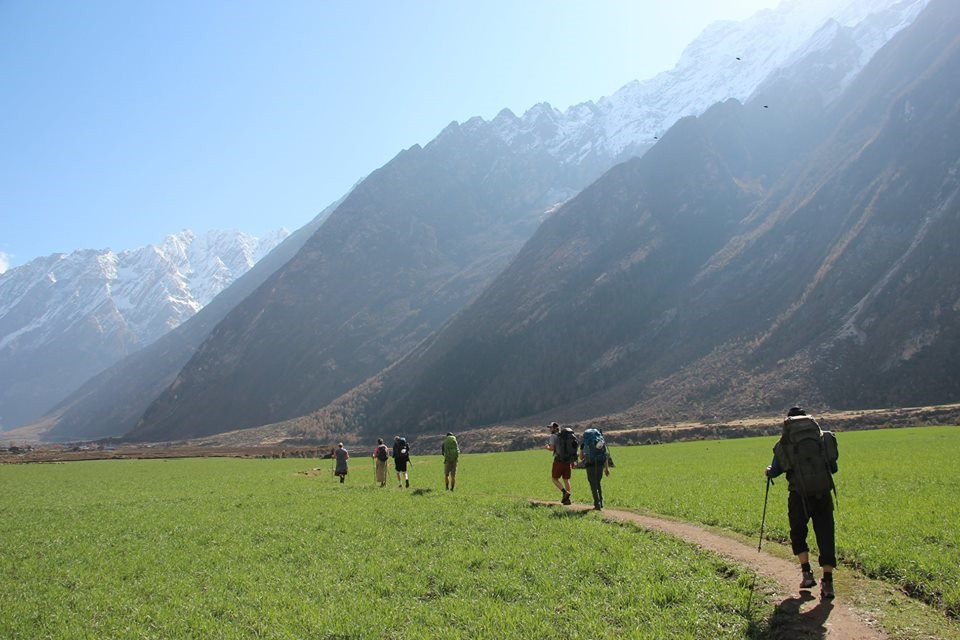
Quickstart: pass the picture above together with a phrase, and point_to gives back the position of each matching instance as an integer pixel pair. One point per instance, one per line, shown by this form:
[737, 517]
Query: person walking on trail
[380, 456]
[401, 458]
[341, 455]
[451, 454]
[563, 444]
[596, 460]
[808, 456]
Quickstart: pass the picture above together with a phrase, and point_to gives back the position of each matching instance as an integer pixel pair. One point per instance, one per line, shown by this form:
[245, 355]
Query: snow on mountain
[142, 292]
[728, 60]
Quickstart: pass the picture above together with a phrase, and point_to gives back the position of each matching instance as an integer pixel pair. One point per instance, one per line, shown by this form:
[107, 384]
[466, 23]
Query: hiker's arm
[774, 469]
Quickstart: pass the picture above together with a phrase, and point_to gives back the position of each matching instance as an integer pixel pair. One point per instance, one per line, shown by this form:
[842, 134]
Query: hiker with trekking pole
[808, 455]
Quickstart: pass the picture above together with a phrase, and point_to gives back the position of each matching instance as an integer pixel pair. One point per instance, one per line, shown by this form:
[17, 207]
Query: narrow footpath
[801, 615]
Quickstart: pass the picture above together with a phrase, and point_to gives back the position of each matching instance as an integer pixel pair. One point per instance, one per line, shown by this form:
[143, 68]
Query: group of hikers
[401, 461]
[805, 453]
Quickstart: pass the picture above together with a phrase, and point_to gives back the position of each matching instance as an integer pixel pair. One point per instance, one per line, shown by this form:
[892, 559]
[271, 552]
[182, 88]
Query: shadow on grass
[420, 492]
[557, 511]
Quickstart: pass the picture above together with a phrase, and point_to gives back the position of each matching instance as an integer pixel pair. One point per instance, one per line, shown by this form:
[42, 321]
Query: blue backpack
[594, 447]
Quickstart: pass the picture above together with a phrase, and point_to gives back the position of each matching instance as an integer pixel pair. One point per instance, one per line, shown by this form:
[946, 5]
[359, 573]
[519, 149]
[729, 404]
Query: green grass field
[222, 548]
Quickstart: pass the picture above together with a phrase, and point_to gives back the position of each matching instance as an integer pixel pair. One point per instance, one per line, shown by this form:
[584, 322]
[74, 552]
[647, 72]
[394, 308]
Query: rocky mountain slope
[66, 317]
[790, 249]
[421, 237]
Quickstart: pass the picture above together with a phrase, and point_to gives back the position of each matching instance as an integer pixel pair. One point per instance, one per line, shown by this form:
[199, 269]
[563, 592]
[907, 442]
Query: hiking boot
[808, 580]
[826, 589]
[566, 498]
[408, 483]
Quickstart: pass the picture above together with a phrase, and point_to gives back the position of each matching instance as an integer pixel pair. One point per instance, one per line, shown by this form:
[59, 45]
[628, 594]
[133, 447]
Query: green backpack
[808, 456]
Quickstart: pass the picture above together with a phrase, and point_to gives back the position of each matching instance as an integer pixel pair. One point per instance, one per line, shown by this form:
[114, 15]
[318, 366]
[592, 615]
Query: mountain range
[531, 264]
[756, 257]
[66, 317]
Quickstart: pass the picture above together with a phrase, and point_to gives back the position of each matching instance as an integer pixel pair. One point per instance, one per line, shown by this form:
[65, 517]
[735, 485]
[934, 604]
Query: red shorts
[560, 470]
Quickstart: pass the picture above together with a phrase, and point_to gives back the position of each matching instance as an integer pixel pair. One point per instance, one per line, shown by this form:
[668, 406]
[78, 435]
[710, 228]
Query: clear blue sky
[123, 121]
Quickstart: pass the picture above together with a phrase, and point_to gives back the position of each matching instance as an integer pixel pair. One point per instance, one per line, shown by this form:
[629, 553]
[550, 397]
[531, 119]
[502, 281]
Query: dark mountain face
[754, 258]
[410, 246]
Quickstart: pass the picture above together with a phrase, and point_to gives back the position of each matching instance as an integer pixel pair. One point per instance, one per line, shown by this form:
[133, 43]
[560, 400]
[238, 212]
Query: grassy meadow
[228, 548]
[221, 548]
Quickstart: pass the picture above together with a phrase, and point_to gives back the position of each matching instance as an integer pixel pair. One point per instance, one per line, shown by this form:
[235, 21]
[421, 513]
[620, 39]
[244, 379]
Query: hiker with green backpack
[808, 455]
[595, 458]
[451, 454]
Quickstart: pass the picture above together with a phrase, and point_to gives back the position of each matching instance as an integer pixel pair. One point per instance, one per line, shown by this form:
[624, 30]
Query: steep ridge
[866, 313]
[66, 317]
[750, 259]
[412, 244]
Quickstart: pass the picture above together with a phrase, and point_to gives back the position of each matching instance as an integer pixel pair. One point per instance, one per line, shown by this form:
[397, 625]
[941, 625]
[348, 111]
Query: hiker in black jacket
[809, 476]
[401, 458]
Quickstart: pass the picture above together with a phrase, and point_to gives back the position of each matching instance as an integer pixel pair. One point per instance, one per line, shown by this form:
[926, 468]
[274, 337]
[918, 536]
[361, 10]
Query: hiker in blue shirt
[596, 460]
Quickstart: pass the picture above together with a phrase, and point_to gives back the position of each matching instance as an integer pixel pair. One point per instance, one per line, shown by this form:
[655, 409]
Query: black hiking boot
[826, 588]
[566, 498]
[808, 580]
[408, 483]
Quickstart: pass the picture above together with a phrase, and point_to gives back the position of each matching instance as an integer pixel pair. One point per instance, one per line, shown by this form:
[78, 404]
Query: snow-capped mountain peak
[728, 60]
[66, 316]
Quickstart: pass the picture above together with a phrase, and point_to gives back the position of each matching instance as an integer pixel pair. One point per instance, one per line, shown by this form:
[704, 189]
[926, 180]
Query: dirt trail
[801, 615]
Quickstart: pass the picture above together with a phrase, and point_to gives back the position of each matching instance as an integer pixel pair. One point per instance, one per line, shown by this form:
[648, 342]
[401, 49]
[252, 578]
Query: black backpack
[382, 452]
[808, 455]
[403, 451]
[567, 445]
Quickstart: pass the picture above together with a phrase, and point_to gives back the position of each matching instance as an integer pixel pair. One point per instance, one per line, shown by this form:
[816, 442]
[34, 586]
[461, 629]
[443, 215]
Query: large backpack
[403, 451]
[566, 445]
[808, 455]
[382, 454]
[594, 447]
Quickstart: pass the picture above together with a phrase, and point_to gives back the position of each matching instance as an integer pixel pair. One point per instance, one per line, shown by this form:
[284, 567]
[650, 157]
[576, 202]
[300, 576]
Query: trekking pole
[763, 520]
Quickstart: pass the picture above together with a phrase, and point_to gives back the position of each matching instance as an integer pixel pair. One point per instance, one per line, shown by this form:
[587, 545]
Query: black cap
[796, 411]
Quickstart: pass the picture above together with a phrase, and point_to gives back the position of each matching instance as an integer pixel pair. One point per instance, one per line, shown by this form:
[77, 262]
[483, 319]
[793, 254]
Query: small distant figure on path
[401, 458]
[808, 456]
[380, 456]
[451, 454]
[596, 460]
[563, 444]
[341, 455]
